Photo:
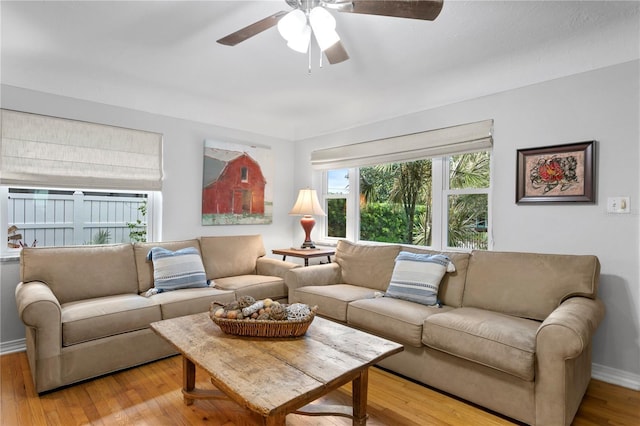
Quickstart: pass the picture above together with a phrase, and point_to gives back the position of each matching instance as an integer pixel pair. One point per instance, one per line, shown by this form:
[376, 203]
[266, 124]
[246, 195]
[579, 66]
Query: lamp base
[308, 245]
[307, 223]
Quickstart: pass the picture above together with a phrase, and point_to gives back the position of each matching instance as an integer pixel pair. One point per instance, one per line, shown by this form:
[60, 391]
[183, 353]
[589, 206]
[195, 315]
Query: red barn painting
[233, 184]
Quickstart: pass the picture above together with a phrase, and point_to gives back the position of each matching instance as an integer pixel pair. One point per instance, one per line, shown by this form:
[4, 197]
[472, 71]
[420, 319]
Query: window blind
[416, 146]
[38, 150]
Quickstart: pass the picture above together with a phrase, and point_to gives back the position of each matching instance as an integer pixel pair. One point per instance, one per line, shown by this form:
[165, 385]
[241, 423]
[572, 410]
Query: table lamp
[307, 205]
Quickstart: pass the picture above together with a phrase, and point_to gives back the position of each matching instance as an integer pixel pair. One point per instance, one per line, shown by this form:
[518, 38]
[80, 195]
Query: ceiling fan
[312, 17]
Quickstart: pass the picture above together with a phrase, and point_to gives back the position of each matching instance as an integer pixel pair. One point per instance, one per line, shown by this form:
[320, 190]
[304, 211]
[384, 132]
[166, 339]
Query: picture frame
[237, 184]
[556, 174]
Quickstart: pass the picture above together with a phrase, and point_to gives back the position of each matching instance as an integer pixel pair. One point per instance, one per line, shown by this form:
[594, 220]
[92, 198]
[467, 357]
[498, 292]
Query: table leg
[284, 257]
[359, 391]
[306, 261]
[188, 379]
[328, 259]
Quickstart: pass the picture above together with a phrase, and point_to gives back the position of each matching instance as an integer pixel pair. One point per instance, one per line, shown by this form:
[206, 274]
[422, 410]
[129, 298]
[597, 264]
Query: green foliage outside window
[138, 229]
[396, 202]
[337, 217]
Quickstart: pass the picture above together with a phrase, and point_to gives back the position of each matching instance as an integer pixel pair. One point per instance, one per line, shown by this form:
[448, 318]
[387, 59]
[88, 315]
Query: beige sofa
[85, 309]
[513, 334]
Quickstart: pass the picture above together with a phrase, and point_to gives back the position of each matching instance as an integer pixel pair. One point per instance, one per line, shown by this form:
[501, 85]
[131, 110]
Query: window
[43, 160]
[467, 200]
[441, 202]
[244, 174]
[336, 194]
[429, 188]
[58, 217]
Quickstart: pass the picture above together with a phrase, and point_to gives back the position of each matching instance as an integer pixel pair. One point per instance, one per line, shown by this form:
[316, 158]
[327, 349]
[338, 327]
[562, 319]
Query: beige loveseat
[85, 309]
[513, 332]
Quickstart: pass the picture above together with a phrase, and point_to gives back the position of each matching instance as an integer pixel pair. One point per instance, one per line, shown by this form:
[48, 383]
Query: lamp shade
[307, 204]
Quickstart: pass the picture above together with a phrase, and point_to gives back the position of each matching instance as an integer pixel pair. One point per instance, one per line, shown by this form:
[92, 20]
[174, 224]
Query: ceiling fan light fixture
[324, 27]
[292, 25]
[300, 43]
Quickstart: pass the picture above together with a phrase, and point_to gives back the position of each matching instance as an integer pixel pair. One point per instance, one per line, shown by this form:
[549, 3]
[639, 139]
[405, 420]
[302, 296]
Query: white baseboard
[12, 346]
[598, 372]
[615, 376]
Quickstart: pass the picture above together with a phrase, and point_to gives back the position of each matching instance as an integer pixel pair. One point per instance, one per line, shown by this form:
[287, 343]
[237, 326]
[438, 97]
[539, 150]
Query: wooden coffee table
[273, 376]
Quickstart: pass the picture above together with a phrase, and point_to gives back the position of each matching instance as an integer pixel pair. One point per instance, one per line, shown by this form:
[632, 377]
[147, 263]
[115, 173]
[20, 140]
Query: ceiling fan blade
[414, 9]
[251, 30]
[336, 53]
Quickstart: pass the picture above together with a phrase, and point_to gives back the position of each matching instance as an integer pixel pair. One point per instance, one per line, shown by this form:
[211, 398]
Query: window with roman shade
[459, 139]
[38, 150]
[429, 188]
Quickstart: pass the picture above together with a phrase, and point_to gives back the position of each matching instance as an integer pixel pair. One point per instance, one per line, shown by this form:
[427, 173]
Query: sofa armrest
[39, 309]
[37, 305]
[563, 359]
[568, 330]
[325, 274]
[273, 267]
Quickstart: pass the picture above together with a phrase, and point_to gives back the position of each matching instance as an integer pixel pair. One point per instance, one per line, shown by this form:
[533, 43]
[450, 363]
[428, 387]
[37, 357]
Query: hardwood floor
[150, 395]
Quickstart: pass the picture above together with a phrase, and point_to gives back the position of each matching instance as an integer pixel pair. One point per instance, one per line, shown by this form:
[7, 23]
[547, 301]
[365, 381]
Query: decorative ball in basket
[262, 318]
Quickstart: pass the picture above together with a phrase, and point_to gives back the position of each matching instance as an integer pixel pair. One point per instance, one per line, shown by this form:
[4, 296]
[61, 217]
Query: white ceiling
[162, 57]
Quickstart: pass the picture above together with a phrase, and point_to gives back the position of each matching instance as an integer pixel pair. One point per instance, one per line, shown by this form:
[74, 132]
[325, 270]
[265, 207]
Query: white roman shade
[38, 150]
[416, 146]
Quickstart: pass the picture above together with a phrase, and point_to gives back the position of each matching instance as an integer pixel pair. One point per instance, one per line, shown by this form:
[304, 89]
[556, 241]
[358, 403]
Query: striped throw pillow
[173, 270]
[416, 277]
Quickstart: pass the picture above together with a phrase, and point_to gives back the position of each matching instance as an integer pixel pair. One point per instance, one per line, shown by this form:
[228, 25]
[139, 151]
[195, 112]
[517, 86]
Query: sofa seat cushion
[257, 286]
[496, 340]
[332, 300]
[395, 319]
[190, 300]
[93, 319]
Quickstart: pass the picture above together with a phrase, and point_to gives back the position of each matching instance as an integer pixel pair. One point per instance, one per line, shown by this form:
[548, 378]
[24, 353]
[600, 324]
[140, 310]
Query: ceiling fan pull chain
[309, 57]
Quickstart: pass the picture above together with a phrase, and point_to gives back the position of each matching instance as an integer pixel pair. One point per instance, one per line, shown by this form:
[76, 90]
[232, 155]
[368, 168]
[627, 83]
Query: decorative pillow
[173, 270]
[416, 277]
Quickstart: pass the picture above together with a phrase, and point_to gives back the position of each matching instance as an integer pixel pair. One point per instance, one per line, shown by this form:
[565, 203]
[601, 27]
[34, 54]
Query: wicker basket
[264, 328]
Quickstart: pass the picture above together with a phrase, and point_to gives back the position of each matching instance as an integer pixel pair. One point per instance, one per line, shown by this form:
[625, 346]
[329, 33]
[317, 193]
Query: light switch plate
[618, 205]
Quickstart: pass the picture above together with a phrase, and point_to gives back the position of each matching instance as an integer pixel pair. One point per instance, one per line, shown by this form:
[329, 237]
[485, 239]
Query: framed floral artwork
[559, 173]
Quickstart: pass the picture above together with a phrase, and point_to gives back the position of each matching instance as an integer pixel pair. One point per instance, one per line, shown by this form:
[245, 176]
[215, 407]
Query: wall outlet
[618, 205]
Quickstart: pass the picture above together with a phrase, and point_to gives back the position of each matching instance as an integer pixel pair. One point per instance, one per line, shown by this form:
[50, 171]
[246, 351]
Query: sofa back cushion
[452, 284]
[366, 265]
[81, 272]
[528, 285]
[145, 267]
[230, 256]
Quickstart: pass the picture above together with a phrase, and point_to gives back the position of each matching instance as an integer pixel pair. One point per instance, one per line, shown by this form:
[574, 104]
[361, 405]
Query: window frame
[154, 205]
[440, 194]
[351, 232]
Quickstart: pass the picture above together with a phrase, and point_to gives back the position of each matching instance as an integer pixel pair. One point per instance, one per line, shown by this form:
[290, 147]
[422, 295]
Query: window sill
[10, 257]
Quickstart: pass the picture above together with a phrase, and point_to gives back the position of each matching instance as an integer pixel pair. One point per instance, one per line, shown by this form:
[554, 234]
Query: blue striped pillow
[173, 270]
[416, 277]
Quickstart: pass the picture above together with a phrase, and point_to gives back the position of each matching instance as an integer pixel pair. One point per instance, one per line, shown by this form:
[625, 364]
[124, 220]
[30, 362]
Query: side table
[305, 254]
